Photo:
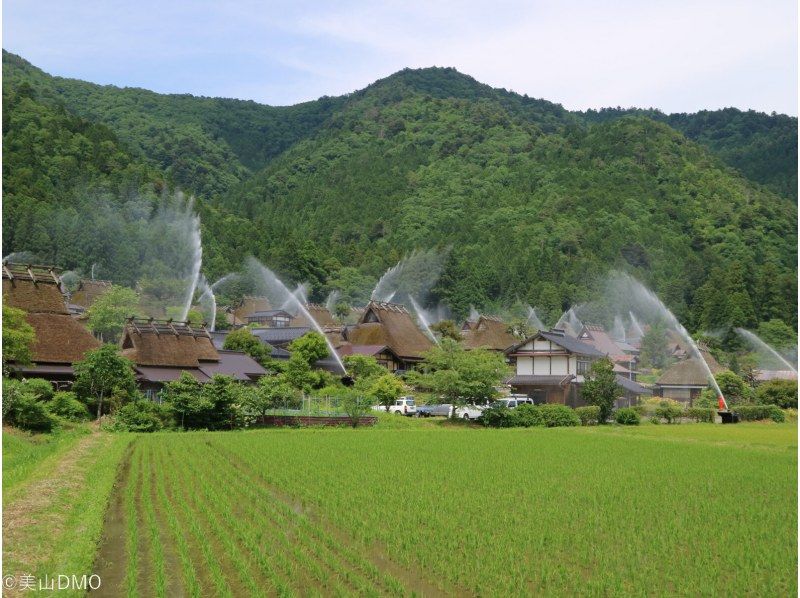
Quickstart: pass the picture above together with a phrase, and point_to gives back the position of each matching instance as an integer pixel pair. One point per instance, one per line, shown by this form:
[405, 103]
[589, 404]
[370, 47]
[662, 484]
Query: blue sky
[678, 56]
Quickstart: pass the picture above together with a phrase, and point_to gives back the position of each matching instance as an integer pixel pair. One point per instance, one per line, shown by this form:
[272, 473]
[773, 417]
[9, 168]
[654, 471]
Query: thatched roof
[389, 324]
[42, 296]
[320, 313]
[88, 291]
[488, 332]
[689, 372]
[167, 343]
[59, 337]
[249, 305]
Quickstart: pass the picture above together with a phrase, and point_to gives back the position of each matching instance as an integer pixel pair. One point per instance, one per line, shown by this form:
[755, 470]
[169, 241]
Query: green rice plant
[352, 566]
[482, 511]
[202, 511]
[132, 488]
[156, 548]
[301, 551]
[181, 544]
[188, 520]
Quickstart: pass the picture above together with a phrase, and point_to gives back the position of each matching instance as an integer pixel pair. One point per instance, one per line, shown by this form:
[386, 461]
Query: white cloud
[679, 56]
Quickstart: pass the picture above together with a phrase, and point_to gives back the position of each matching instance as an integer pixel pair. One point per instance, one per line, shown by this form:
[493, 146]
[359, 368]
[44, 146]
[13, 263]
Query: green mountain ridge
[536, 202]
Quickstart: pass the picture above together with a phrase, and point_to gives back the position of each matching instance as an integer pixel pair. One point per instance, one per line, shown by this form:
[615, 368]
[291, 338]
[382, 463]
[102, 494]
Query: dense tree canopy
[535, 203]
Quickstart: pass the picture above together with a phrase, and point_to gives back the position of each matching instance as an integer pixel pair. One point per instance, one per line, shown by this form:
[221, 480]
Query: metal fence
[310, 406]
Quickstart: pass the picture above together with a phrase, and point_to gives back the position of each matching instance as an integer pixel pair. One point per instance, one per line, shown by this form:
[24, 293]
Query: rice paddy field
[672, 510]
[664, 510]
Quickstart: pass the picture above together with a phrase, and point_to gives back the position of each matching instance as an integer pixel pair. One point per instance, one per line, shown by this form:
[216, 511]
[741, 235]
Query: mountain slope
[529, 215]
[534, 202]
[762, 147]
[205, 145]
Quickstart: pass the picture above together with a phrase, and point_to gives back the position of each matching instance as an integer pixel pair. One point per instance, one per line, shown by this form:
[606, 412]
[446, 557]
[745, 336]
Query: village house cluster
[548, 367]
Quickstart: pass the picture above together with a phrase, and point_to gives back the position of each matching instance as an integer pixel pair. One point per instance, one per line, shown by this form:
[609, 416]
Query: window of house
[584, 365]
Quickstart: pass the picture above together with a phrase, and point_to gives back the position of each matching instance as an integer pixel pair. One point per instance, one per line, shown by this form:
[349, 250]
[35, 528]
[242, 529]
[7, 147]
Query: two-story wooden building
[550, 368]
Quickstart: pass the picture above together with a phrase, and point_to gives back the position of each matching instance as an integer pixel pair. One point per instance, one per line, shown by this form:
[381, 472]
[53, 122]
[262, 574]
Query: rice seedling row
[511, 512]
[261, 506]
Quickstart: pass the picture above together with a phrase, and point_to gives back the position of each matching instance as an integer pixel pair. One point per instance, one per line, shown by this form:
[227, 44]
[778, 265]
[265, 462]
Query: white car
[469, 412]
[512, 402]
[402, 406]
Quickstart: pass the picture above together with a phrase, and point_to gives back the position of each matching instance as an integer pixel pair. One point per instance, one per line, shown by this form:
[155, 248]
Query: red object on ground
[722, 404]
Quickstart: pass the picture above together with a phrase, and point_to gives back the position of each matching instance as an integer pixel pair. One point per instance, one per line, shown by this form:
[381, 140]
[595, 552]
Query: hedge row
[527, 416]
[760, 412]
[589, 416]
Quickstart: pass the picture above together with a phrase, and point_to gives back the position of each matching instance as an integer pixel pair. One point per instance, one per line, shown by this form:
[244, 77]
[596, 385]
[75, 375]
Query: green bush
[527, 416]
[627, 417]
[701, 414]
[589, 416]
[11, 389]
[29, 414]
[760, 413]
[41, 389]
[498, 416]
[782, 393]
[67, 406]
[142, 416]
[669, 410]
[706, 400]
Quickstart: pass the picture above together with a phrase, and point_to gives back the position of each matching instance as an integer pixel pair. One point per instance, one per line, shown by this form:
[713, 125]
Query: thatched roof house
[390, 325]
[685, 380]
[488, 332]
[320, 313]
[381, 353]
[249, 305]
[161, 349]
[60, 339]
[88, 291]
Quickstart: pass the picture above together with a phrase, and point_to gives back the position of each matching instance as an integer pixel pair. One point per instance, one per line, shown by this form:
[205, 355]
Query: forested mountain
[535, 203]
[762, 147]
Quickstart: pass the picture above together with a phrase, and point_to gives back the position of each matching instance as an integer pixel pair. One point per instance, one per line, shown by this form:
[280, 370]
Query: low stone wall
[282, 421]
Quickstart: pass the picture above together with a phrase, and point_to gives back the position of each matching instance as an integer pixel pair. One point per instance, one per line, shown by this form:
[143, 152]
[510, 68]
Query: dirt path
[35, 509]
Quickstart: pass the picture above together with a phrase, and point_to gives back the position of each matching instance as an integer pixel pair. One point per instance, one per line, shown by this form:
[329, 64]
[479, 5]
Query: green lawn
[59, 490]
[426, 507]
[26, 454]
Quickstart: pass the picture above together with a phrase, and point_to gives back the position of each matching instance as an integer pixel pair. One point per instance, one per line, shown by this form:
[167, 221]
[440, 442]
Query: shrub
[701, 414]
[782, 393]
[11, 389]
[66, 405]
[651, 405]
[706, 400]
[589, 416]
[559, 415]
[760, 412]
[655, 420]
[40, 389]
[29, 414]
[669, 410]
[526, 416]
[497, 416]
[627, 417]
[142, 416]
